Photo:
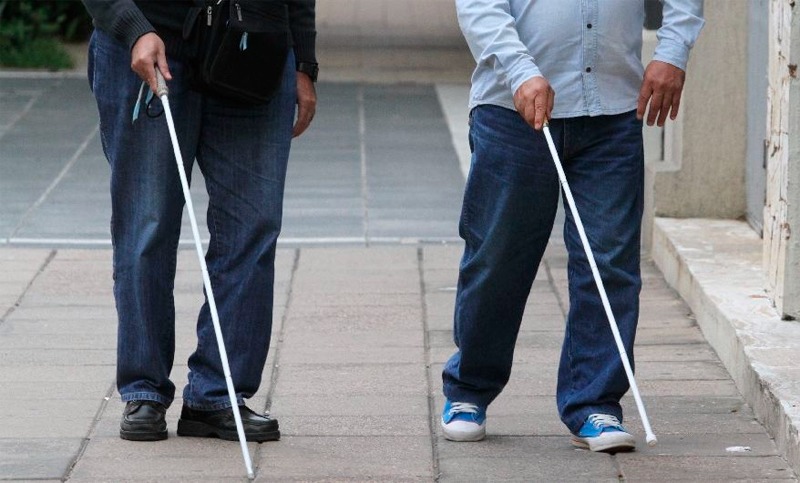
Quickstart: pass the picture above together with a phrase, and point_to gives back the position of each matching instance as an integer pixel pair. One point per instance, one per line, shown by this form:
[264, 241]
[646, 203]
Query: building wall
[382, 23]
[703, 173]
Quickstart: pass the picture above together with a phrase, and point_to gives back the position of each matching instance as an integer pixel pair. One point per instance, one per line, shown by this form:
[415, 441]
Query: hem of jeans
[478, 401]
[213, 406]
[146, 396]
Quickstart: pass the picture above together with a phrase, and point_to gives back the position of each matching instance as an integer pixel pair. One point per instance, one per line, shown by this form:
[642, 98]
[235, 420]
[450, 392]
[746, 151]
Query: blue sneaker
[463, 421]
[603, 432]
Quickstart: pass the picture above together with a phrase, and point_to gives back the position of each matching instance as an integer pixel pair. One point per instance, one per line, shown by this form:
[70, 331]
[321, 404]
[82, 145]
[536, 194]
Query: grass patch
[42, 53]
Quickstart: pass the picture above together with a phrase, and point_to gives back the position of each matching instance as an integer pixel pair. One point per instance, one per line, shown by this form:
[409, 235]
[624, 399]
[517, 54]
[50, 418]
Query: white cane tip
[251, 475]
[651, 440]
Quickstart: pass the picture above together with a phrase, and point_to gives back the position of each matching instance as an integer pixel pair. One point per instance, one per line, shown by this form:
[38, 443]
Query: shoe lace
[603, 420]
[463, 407]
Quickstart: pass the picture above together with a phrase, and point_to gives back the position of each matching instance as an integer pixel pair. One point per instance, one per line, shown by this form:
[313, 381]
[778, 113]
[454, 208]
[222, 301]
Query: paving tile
[33, 390]
[675, 353]
[382, 404]
[713, 388]
[372, 426]
[362, 341]
[358, 320]
[351, 353]
[386, 301]
[66, 373]
[504, 458]
[76, 341]
[52, 457]
[682, 370]
[643, 467]
[349, 379]
[13, 359]
[203, 459]
[354, 458]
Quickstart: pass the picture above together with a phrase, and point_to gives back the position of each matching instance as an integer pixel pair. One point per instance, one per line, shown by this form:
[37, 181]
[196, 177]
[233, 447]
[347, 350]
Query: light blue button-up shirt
[589, 50]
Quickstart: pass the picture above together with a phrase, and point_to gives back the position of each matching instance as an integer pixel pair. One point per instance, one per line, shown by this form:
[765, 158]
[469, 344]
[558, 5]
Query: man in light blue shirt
[577, 65]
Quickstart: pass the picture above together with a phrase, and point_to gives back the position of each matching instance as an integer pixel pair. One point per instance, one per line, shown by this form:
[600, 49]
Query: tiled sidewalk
[354, 377]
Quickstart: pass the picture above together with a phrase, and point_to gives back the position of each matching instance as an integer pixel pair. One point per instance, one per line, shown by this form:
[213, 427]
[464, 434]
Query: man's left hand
[662, 89]
[306, 103]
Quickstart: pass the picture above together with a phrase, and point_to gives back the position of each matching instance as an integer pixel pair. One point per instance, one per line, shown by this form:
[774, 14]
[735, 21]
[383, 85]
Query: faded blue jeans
[242, 152]
[508, 213]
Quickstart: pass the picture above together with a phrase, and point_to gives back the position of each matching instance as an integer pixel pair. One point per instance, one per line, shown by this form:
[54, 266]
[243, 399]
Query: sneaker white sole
[463, 431]
[612, 442]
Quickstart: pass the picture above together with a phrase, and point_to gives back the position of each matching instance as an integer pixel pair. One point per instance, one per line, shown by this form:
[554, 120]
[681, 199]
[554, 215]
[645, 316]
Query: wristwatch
[309, 68]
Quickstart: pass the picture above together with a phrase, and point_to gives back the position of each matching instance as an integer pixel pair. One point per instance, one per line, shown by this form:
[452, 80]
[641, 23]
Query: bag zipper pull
[209, 13]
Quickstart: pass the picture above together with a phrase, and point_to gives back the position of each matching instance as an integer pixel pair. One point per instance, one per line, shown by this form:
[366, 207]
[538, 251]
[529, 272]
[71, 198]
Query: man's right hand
[534, 101]
[147, 55]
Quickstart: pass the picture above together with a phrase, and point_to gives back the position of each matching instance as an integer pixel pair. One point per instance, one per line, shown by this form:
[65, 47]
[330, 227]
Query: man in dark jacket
[242, 150]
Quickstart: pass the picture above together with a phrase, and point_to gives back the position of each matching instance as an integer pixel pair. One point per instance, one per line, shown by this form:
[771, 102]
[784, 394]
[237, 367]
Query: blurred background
[44, 33]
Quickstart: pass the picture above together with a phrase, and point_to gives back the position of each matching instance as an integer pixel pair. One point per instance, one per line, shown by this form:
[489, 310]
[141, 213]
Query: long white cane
[163, 94]
[651, 438]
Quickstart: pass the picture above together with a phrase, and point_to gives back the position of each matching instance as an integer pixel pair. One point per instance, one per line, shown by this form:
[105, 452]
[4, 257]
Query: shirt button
[588, 26]
[588, 69]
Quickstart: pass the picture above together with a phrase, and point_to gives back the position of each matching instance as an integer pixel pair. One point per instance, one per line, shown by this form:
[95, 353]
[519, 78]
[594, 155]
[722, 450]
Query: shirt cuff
[129, 26]
[523, 73]
[672, 52]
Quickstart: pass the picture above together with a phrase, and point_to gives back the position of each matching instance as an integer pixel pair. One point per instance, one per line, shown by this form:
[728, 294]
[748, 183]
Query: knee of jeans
[146, 226]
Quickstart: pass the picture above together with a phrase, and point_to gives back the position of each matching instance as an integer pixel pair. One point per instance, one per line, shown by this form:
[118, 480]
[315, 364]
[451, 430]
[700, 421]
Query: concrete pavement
[354, 377]
[364, 303]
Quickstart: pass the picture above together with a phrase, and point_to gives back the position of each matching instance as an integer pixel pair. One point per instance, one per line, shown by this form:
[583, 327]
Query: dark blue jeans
[508, 214]
[242, 153]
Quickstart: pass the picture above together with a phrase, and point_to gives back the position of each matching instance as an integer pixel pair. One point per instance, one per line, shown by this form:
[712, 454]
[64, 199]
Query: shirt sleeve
[683, 20]
[121, 19]
[302, 23]
[493, 39]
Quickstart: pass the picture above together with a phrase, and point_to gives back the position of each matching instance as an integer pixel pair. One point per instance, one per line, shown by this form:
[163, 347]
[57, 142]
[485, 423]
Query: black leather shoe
[143, 421]
[221, 424]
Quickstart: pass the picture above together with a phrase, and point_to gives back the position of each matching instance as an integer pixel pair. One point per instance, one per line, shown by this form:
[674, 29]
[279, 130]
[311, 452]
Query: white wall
[703, 175]
[383, 23]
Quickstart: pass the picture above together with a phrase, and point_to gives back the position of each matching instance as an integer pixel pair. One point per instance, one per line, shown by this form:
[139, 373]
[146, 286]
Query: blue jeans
[509, 209]
[242, 152]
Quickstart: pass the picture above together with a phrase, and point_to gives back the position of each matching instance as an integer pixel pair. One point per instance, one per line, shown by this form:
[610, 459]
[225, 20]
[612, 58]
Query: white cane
[163, 95]
[651, 438]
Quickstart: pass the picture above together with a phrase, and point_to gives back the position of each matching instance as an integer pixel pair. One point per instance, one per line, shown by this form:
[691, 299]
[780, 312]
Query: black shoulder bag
[239, 47]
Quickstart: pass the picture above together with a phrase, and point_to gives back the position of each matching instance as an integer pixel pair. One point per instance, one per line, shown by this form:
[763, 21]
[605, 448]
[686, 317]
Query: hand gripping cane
[651, 438]
[163, 93]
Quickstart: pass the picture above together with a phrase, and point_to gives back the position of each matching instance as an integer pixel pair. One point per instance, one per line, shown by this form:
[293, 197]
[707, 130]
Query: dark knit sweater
[127, 20]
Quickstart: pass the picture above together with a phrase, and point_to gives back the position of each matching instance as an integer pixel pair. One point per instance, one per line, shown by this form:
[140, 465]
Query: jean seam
[466, 210]
[570, 348]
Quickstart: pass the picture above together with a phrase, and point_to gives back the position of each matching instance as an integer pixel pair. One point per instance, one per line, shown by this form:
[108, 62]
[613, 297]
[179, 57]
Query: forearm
[683, 21]
[492, 36]
[121, 19]
[303, 26]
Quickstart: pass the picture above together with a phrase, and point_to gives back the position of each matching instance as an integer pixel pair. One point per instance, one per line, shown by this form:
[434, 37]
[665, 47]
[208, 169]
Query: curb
[715, 265]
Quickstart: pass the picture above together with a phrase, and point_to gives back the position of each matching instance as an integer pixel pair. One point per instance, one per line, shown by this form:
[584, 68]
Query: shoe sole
[609, 447]
[143, 435]
[463, 437]
[196, 429]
